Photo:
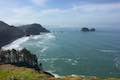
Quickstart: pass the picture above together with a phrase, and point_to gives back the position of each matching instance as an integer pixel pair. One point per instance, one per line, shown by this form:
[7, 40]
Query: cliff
[22, 58]
[19, 58]
[10, 33]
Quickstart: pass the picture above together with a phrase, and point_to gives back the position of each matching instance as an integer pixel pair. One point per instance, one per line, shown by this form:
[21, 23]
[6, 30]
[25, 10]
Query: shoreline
[58, 75]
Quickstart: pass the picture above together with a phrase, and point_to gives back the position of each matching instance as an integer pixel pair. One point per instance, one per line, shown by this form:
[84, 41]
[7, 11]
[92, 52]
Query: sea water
[68, 51]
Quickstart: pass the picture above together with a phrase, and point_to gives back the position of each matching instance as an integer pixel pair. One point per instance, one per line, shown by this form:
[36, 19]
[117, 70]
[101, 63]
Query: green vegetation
[22, 74]
[10, 72]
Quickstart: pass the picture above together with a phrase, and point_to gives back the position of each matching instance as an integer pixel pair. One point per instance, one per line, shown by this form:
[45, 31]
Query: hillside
[10, 33]
[11, 72]
[33, 29]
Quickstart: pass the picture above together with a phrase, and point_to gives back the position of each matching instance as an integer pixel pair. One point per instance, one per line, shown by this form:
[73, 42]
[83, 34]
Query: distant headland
[10, 33]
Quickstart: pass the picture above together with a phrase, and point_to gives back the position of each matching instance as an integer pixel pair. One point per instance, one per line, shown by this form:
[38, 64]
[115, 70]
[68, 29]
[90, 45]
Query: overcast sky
[61, 12]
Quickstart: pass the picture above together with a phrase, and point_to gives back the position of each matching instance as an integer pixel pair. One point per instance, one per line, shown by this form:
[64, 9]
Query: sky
[63, 13]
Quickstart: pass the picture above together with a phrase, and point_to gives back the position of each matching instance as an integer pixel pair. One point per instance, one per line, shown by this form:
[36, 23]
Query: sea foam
[109, 51]
[15, 44]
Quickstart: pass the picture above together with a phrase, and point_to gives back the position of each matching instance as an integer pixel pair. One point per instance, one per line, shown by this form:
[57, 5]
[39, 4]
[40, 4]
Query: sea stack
[92, 30]
[85, 29]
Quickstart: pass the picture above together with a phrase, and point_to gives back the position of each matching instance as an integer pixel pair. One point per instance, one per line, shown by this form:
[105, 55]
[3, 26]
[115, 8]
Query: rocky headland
[19, 58]
[10, 33]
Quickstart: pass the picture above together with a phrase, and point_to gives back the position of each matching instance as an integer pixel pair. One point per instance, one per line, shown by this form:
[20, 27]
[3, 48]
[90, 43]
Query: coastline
[75, 77]
[49, 73]
[56, 75]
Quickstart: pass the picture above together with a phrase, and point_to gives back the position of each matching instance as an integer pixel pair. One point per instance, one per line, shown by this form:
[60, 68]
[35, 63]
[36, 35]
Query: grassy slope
[10, 72]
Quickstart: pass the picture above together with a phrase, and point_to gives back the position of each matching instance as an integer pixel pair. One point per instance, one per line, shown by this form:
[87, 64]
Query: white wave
[69, 60]
[40, 42]
[50, 35]
[117, 62]
[56, 75]
[15, 44]
[109, 51]
[73, 75]
[44, 49]
[36, 37]
[74, 64]
[43, 36]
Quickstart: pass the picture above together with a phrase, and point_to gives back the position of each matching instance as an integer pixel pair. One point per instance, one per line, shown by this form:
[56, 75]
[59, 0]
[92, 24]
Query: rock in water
[85, 29]
[92, 29]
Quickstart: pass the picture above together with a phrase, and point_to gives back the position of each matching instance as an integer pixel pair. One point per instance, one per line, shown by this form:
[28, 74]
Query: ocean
[68, 51]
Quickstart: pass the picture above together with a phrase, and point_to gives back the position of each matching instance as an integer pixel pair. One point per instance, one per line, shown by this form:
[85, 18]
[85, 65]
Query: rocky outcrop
[85, 29]
[19, 58]
[10, 33]
[92, 29]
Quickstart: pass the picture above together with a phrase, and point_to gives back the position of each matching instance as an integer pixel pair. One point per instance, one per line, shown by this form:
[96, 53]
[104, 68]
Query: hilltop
[11, 72]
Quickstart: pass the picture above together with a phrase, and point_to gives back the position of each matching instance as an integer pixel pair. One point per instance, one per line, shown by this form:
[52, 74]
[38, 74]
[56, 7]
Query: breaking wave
[109, 51]
[17, 43]
[117, 62]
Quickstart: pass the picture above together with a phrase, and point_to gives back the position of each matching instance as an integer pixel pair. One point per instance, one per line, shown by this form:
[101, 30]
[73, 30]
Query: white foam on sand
[56, 75]
[16, 44]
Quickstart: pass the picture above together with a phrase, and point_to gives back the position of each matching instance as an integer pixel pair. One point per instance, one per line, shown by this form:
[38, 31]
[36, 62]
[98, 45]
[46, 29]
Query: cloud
[21, 15]
[40, 2]
[77, 14]
[91, 14]
[52, 11]
[97, 7]
[86, 8]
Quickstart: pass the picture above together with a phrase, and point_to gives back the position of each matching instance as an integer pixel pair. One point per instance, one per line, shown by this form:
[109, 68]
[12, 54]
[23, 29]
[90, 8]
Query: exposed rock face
[10, 33]
[85, 29]
[19, 58]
